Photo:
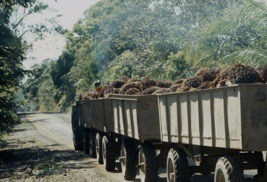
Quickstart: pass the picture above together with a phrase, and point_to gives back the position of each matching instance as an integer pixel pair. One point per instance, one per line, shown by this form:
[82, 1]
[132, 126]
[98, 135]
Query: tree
[11, 57]
[237, 36]
[12, 54]
[158, 39]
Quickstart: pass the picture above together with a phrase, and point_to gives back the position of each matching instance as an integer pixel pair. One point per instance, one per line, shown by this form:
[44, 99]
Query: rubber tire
[229, 169]
[92, 142]
[149, 170]
[128, 165]
[177, 160]
[108, 153]
[86, 141]
[98, 145]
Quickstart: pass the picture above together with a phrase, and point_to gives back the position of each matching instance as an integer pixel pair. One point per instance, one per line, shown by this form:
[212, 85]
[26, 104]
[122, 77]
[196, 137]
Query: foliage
[177, 67]
[12, 53]
[237, 36]
[157, 39]
[39, 92]
[11, 57]
[61, 67]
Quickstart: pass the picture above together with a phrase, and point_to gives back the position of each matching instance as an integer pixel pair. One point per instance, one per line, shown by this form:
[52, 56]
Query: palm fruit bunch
[150, 90]
[164, 83]
[162, 90]
[205, 78]
[86, 96]
[176, 88]
[244, 74]
[132, 91]
[118, 83]
[190, 83]
[148, 83]
[106, 91]
[208, 74]
[237, 74]
[128, 85]
[263, 73]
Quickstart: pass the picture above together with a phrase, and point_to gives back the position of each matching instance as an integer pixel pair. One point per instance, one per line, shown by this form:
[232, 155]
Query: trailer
[219, 130]
[120, 126]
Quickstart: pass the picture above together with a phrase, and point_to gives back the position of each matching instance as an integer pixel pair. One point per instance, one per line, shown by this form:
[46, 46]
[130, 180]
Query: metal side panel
[219, 118]
[206, 118]
[115, 104]
[254, 117]
[184, 120]
[109, 116]
[172, 115]
[148, 118]
[80, 113]
[87, 114]
[130, 119]
[98, 114]
[118, 111]
[233, 122]
[195, 119]
[164, 124]
[136, 116]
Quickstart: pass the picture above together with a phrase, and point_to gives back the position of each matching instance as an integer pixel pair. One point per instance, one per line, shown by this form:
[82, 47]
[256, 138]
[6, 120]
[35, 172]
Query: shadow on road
[35, 161]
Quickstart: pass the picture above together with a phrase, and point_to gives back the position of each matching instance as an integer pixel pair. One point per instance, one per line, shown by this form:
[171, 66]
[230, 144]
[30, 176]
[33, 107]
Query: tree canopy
[13, 52]
[158, 39]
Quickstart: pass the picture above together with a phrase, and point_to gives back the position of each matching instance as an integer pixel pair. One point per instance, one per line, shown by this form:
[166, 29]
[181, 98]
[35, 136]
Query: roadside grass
[48, 165]
[22, 157]
[35, 161]
[6, 127]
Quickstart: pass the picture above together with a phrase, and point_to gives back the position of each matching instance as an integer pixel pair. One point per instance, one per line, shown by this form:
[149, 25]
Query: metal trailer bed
[121, 126]
[136, 116]
[221, 130]
[217, 128]
[231, 117]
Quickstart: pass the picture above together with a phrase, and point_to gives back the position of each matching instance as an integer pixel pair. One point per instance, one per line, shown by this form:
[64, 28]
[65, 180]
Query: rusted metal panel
[231, 117]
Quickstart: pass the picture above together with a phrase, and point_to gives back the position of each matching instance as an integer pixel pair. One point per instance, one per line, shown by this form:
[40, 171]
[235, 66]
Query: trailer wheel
[147, 163]
[108, 153]
[98, 148]
[228, 169]
[128, 159]
[177, 165]
[92, 144]
[86, 141]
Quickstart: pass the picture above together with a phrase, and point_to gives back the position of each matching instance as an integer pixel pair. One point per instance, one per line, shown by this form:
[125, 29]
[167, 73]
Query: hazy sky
[70, 12]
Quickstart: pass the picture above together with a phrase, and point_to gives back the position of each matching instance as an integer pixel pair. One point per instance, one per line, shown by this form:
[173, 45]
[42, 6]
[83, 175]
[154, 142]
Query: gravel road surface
[41, 149]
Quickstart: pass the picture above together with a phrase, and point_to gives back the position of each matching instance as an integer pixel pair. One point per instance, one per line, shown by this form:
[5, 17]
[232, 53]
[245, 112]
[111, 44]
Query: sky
[67, 13]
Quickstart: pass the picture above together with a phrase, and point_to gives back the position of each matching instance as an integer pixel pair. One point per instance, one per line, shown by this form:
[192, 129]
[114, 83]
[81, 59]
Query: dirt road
[41, 149]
